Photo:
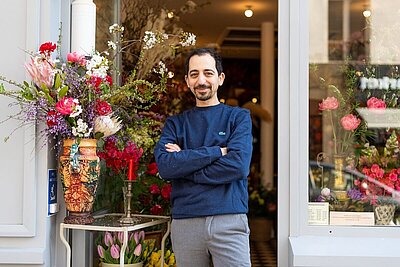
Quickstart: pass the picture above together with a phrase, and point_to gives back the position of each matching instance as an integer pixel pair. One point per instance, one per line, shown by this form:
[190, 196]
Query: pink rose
[330, 103]
[350, 122]
[66, 105]
[375, 103]
[75, 57]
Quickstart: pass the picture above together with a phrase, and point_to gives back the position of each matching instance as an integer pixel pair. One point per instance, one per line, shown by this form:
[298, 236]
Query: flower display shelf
[111, 223]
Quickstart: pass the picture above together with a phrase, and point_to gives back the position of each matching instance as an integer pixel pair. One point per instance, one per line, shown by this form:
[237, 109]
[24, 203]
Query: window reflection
[354, 112]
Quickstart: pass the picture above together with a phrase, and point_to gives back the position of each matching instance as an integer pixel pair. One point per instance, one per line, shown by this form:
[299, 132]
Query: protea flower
[107, 125]
[41, 72]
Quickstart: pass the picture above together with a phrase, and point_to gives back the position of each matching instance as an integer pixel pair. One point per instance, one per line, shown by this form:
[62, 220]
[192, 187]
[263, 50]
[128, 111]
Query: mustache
[202, 86]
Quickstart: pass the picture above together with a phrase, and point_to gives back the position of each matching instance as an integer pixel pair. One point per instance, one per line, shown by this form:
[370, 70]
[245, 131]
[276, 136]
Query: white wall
[27, 234]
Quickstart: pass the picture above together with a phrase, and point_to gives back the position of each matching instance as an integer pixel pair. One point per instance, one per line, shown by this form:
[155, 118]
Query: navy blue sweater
[203, 181]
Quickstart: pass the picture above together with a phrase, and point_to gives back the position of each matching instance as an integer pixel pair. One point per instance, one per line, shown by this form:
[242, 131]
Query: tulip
[138, 250]
[120, 237]
[141, 235]
[108, 239]
[114, 251]
[136, 237]
[100, 251]
[107, 125]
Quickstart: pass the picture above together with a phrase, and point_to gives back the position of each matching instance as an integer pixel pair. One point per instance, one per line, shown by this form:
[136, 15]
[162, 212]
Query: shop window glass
[354, 107]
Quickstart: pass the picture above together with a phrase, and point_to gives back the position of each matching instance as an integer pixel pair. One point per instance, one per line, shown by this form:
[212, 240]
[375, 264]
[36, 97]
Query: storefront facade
[322, 44]
[334, 56]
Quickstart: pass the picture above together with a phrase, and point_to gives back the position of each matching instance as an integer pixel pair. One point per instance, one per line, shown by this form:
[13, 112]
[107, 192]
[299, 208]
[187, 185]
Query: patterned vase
[79, 169]
[384, 214]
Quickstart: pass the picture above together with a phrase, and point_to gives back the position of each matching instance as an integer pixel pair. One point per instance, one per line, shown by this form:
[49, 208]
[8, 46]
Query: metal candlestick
[128, 218]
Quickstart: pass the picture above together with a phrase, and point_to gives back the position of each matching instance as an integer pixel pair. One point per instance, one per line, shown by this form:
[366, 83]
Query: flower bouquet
[381, 183]
[70, 97]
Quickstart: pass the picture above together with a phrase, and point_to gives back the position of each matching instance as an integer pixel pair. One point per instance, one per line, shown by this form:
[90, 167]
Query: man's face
[203, 79]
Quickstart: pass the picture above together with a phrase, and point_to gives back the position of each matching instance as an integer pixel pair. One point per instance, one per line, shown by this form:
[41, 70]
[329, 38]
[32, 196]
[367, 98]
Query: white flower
[82, 129]
[161, 69]
[97, 66]
[326, 192]
[107, 125]
[188, 39]
[77, 111]
[149, 39]
[171, 74]
[112, 45]
[116, 28]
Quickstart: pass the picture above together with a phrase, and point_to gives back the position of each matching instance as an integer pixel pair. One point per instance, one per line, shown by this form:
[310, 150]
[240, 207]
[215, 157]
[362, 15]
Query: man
[206, 153]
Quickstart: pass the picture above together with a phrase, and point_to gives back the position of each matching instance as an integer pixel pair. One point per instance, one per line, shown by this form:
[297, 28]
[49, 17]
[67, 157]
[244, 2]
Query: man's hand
[172, 147]
[224, 150]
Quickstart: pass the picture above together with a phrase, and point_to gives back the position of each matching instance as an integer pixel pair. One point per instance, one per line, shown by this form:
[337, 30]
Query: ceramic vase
[79, 170]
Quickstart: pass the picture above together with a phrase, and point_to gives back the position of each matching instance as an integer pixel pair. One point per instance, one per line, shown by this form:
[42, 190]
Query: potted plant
[109, 245]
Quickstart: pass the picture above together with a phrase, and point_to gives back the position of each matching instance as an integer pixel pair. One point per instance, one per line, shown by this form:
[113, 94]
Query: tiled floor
[263, 253]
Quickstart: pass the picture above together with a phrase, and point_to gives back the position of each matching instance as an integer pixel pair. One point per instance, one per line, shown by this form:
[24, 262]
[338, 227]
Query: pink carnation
[375, 103]
[330, 103]
[66, 105]
[350, 122]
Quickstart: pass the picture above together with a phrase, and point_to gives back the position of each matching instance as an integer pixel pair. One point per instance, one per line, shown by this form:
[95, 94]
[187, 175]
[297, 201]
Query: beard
[204, 95]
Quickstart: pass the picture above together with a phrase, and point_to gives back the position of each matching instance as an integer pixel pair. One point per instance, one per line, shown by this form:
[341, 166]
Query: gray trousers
[222, 239]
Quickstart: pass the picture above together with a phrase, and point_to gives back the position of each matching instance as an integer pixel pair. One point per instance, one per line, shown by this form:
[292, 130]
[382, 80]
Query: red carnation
[47, 48]
[102, 108]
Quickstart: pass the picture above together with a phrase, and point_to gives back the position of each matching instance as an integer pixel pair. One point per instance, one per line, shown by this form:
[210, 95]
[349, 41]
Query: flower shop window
[354, 113]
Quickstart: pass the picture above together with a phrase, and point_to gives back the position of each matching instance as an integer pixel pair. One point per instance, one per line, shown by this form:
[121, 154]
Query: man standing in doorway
[205, 152]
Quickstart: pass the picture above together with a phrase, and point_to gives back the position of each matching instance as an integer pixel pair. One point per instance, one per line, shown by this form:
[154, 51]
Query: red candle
[130, 170]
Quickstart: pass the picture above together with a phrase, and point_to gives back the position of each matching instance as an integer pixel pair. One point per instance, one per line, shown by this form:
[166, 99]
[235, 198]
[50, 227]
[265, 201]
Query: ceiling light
[367, 13]
[248, 12]
[170, 14]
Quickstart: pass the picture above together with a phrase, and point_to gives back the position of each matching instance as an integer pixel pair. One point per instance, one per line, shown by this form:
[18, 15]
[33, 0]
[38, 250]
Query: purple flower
[100, 251]
[114, 251]
[138, 250]
[354, 193]
[108, 239]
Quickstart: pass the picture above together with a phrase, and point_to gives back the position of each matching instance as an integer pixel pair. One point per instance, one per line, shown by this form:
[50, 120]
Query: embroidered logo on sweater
[221, 133]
